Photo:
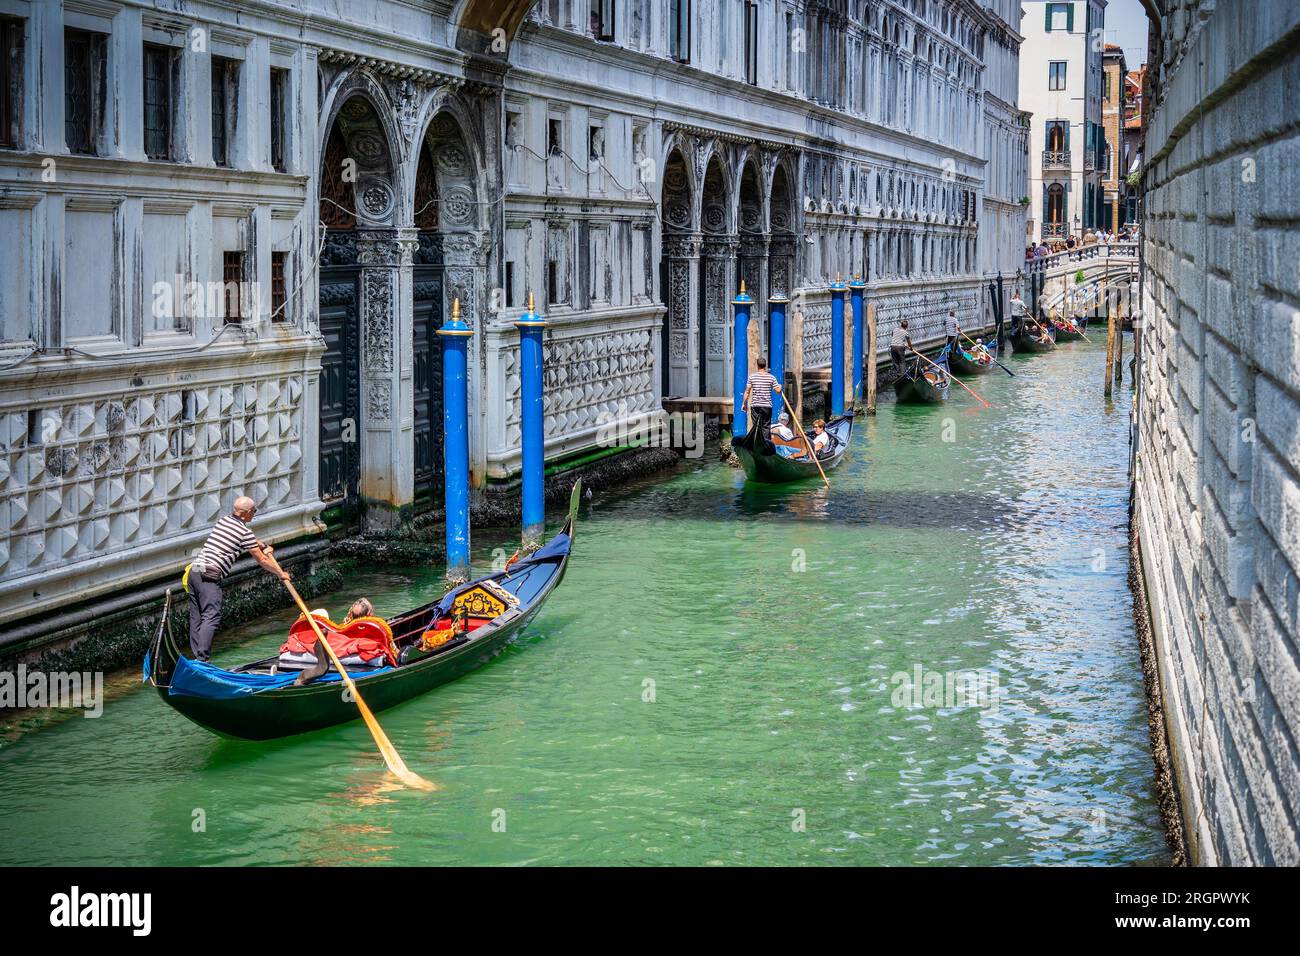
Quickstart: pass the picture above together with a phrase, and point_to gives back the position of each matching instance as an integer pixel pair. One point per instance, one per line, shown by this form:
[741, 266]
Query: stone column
[464, 257]
[752, 266]
[718, 259]
[683, 295]
[387, 410]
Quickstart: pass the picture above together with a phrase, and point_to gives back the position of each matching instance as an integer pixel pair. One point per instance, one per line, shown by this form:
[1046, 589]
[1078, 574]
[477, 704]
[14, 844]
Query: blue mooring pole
[776, 346]
[455, 442]
[740, 361]
[837, 347]
[856, 288]
[532, 416]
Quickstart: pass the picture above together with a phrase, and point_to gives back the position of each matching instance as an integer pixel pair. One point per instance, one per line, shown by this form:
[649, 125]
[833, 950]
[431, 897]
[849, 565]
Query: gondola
[775, 468]
[1022, 341]
[923, 383]
[1066, 332]
[434, 644]
[964, 362]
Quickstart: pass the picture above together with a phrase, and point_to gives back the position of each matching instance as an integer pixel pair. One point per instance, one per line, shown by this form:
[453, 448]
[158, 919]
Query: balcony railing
[1056, 159]
[1055, 230]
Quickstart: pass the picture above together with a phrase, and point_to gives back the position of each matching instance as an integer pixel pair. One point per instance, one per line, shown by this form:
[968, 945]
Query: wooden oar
[954, 378]
[995, 361]
[811, 450]
[391, 757]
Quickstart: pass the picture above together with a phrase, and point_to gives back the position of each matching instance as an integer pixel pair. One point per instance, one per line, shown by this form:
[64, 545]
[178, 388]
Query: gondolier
[899, 344]
[951, 329]
[230, 538]
[1018, 312]
[757, 400]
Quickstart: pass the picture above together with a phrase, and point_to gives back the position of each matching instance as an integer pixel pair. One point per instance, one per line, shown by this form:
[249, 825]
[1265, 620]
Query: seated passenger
[821, 438]
[362, 640]
[782, 428]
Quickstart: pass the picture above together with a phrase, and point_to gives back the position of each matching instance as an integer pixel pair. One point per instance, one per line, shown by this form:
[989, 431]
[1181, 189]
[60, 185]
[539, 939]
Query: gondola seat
[364, 642]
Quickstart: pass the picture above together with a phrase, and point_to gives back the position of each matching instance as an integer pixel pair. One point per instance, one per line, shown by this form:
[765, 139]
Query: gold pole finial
[837, 278]
[455, 308]
[742, 286]
[530, 300]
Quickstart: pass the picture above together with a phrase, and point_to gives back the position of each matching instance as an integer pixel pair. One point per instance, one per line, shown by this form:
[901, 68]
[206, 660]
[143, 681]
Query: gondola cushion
[366, 638]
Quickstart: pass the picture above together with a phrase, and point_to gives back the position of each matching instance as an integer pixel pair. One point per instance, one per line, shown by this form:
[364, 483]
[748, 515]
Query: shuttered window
[11, 72]
[222, 109]
[158, 101]
[279, 81]
[85, 86]
[751, 43]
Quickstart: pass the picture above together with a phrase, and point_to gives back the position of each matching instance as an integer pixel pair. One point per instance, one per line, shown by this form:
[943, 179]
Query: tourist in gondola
[821, 439]
[900, 342]
[782, 429]
[757, 400]
[230, 538]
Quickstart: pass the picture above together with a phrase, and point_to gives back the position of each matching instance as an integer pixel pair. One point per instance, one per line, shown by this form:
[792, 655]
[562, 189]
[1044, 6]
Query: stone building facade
[1114, 162]
[1004, 207]
[231, 239]
[1061, 85]
[1217, 477]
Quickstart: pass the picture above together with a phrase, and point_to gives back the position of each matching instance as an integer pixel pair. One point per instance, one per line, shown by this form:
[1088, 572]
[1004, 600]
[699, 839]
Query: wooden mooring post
[1119, 345]
[1110, 349]
[871, 358]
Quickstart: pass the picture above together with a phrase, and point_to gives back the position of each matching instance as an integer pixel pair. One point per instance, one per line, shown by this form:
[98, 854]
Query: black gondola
[1023, 341]
[963, 362]
[922, 382]
[1071, 330]
[772, 467]
[470, 625]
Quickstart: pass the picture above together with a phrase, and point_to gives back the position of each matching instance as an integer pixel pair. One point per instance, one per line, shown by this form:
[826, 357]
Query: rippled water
[713, 682]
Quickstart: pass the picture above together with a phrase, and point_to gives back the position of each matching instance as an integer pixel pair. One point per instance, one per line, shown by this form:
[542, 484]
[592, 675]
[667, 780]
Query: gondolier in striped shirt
[951, 328]
[899, 342]
[1018, 312]
[230, 538]
[757, 401]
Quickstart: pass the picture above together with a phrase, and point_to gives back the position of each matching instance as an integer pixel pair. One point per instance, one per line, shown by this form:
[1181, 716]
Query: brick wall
[1218, 463]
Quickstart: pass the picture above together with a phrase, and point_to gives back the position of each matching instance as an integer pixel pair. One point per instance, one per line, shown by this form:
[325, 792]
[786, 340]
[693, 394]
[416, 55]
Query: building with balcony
[1061, 82]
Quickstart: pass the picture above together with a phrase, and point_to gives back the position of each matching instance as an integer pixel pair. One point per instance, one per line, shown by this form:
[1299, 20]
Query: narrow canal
[719, 680]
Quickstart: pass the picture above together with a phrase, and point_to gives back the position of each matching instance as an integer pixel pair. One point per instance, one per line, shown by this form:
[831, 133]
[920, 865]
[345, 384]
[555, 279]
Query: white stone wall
[124, 427]
[1218, 458]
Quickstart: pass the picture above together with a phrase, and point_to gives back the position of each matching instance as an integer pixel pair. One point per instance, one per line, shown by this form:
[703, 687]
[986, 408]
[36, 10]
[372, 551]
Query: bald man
[230, 538]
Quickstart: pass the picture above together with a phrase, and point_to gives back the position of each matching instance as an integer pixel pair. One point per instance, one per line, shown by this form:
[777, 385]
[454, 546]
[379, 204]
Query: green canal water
[716, 682]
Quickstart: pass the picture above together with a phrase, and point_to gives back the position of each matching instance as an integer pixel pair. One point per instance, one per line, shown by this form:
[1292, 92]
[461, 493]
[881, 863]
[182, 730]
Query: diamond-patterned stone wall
[592, 375]
[84, 479]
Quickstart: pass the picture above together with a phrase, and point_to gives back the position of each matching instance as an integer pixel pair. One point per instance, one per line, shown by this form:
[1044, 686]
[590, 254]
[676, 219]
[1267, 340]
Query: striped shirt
[898, 339]
[760, 389]
[1018, 307]
[951, 328]
[229, 539]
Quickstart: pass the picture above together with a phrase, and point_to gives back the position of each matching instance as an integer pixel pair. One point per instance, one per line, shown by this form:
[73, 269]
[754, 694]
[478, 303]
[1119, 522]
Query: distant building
[1134, 140]
[1114, 169]
[1061, 85]
[1004, 209]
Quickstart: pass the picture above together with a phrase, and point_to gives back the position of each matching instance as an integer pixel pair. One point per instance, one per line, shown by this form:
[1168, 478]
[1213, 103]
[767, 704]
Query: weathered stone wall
[1218, 456]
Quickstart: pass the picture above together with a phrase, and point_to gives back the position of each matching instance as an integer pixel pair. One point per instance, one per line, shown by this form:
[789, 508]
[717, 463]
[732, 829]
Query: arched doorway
[678, 278]
[781, 247]
[751, 225]
[427, 318]
[717, 256]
